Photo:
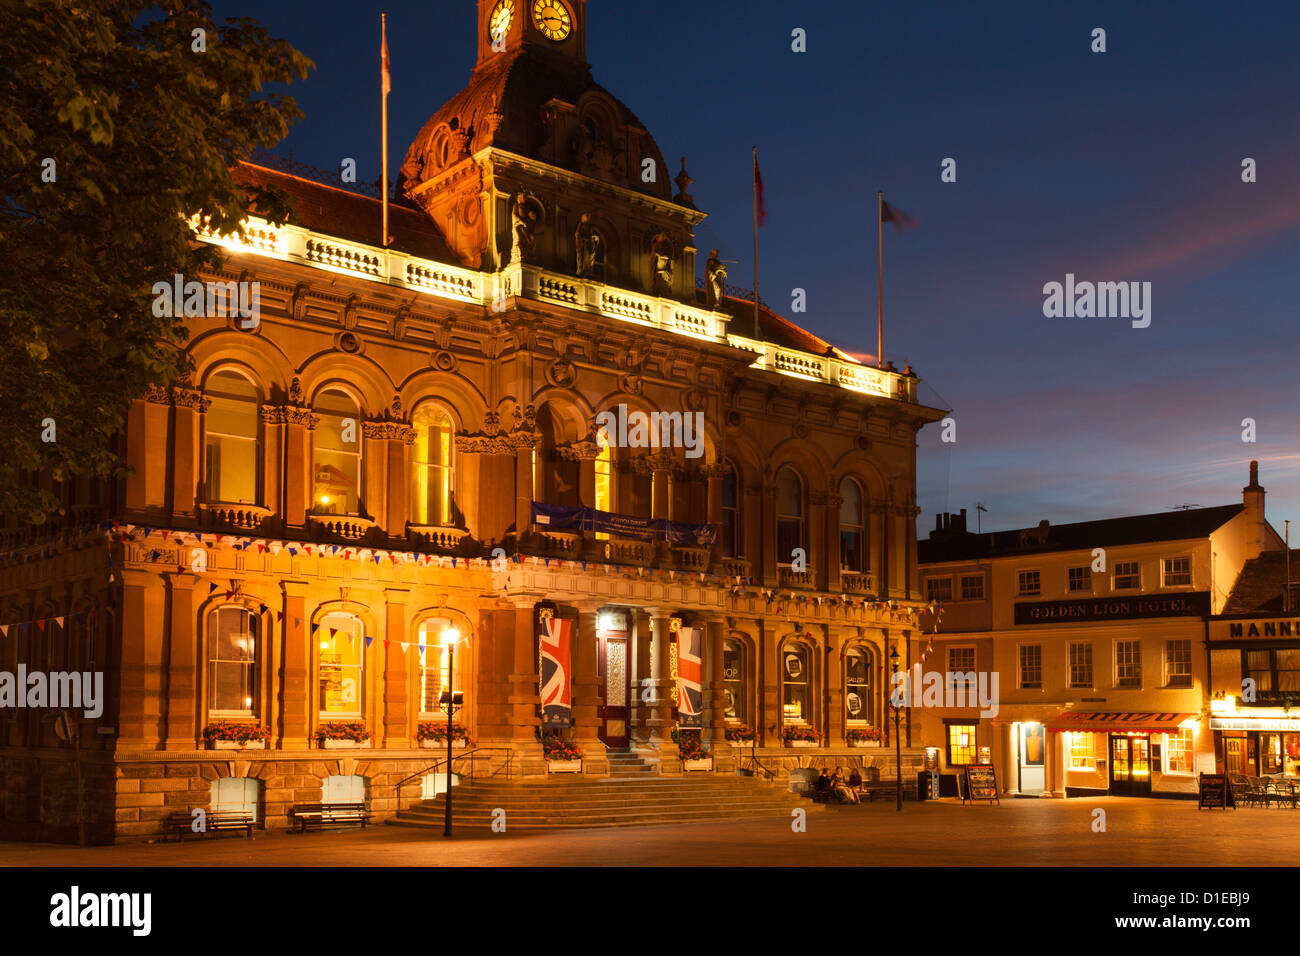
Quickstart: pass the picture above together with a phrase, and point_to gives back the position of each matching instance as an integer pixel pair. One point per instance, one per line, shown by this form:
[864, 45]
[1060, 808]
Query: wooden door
[614, 712]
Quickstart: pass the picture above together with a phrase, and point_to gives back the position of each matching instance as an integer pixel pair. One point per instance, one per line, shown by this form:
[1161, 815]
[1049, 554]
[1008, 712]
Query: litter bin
[924, 781]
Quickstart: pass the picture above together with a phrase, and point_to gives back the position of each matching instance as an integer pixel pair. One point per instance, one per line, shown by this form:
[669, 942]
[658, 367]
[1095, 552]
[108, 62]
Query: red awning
[1120, 722]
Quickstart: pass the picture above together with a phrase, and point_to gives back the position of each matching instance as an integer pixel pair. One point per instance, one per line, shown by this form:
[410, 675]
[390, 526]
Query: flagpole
[880, 279]
[756, 329]
[384, 85]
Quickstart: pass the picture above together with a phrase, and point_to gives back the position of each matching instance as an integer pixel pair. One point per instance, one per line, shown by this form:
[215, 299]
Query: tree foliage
[138, 120]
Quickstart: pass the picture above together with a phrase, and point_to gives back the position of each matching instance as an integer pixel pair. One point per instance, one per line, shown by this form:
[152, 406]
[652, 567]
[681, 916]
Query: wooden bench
[306, 815]
[182, 821]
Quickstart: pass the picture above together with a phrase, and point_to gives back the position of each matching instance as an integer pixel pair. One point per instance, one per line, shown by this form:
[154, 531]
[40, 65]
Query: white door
[1033, 754]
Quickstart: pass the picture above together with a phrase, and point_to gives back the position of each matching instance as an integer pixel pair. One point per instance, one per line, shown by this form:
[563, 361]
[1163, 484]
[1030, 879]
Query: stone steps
[608, 803]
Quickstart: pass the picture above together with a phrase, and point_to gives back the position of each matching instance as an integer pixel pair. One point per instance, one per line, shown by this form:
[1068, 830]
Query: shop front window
[794, 683]
[340, 640]
[733, 679]
[961, 744]
[857, 686]
[1083, 751]
[1178, 751]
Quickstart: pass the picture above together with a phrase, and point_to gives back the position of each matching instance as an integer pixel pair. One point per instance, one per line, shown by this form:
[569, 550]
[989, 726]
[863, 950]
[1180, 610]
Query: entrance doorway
[1032, 746]
[1130, 765]
[613, 643]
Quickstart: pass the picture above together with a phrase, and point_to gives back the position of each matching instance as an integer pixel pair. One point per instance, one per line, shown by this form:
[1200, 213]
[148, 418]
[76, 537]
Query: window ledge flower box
[237, 745]
[697, 763]
[801, 743]
[866, 743]
[564, 766]
[344, 744]
[457, 743]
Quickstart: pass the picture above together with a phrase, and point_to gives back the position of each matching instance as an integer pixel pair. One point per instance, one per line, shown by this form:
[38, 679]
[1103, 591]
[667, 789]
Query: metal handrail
[472, 764]
[753, 744]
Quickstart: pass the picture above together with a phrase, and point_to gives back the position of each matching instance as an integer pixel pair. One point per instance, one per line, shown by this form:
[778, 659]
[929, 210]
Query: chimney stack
[1252, 497]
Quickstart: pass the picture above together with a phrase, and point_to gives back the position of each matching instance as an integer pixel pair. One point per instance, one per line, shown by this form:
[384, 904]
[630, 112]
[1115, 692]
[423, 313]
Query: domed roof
[543, 108]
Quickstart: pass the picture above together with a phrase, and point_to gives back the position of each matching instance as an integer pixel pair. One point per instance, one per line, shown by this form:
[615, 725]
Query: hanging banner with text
[690, 676]
[564, 518]
[557, 703]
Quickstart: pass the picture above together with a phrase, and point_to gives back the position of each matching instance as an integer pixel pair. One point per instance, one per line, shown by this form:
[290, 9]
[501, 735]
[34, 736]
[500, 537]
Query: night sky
[1119, 166]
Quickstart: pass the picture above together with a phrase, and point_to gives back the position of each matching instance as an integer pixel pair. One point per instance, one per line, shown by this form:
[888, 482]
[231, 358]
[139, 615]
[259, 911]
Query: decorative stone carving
[295, 391]
[661, 260]
[491, 423]
[800, 430]
[561, 373]
[389, 430]
[715, 470]
[586, 450]
[289, 415]
[715, 275]
[395, 409]
[683, 181]
[157, 395]
[631, 384]
[443, 361]
[695, 400]
[485, 445]
[190, 398]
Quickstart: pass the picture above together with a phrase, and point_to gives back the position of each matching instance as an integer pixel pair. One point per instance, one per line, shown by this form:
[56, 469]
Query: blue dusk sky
[1116, 166]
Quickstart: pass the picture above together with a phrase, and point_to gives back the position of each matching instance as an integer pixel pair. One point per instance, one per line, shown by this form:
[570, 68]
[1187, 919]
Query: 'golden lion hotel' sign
[1196, 604]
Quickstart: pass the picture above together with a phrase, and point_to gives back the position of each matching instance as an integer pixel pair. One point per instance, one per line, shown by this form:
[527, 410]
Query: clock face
[502, 15]
[552, 18]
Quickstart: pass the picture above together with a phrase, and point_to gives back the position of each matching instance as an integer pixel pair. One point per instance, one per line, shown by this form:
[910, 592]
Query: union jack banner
[557, 704]
[690, 675]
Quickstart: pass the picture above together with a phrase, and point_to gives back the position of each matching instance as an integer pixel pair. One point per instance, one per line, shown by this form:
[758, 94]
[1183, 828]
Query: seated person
[822, 786]
[841, 789]
[855, 783]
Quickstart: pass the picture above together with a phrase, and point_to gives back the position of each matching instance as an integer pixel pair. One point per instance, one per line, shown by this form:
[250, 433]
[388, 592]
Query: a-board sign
[1213, 791]
[981, 783]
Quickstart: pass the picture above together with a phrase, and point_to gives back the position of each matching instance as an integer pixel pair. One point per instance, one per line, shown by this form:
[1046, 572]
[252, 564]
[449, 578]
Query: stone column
[141, 654]
[524, 484]
[767, 560]
[587, 696]
[833, 569]
[299, 423]
[662, 750]
[295, 692]
[146, 451]
[836, 722]
[187, 450]
[715, 705]
[393, 441]
[182, 669]
[524, 697]
[713, 475]
[818, 545]
[397, 680]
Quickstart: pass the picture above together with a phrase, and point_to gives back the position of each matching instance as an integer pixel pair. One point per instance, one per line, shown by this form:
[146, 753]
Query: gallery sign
[1196, 604]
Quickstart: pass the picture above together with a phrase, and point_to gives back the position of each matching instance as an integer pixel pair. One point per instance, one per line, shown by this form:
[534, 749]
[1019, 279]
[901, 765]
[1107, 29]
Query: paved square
[1018, 833]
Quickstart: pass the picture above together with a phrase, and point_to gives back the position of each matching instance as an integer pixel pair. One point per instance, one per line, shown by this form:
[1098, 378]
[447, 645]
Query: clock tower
[555, 28]
[534, 163]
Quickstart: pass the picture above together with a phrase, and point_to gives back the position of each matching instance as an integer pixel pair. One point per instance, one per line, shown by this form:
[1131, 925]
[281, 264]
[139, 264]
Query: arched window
[556, 477]
[340, 642]
[730, 530]
[859, 706]
[343, 788]
[733, 680]
[431, 663]
[852, 552]
[232, 426]
[236, 794]
[796, 682]
[431, 467]
[336, 487]
[789, 515]
[232, 661]
[604, 467]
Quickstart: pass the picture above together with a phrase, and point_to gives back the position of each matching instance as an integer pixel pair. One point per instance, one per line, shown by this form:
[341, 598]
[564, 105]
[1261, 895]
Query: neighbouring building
[1097, 634]
[409, 443]
[1254, 652]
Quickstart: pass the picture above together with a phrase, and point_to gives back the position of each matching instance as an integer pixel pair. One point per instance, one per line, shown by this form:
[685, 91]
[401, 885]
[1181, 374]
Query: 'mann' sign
[1262, 628]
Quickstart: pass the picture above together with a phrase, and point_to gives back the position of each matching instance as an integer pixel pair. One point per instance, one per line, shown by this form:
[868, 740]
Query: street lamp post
[449, 699]
[898, 740]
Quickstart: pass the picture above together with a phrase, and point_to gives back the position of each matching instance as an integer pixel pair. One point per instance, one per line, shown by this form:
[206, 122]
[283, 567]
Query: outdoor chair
[1283, 792]
[1242, 795]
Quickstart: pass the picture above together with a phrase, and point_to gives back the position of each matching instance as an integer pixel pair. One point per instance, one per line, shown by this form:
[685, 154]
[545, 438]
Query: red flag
[758, 191]
[900, 219]
[385, 78]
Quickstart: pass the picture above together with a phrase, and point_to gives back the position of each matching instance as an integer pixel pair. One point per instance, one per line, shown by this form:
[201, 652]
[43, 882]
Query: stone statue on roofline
[661, 256]
[715, 275]
[586, 244]
[525, 217]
